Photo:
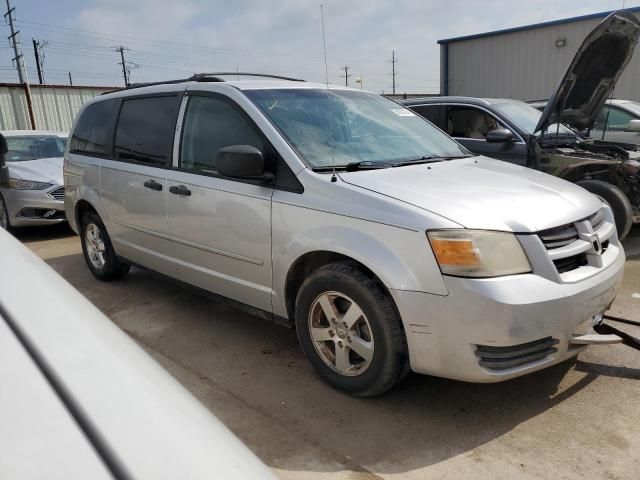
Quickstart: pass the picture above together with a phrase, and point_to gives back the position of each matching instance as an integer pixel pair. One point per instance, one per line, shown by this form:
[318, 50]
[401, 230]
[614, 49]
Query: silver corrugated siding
[54, 107]
[525, 64]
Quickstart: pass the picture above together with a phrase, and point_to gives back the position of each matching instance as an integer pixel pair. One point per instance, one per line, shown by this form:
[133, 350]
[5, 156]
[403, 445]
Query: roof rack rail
[204, 77]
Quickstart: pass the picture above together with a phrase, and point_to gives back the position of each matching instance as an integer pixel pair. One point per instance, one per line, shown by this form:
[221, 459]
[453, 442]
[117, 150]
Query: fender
[82, 182]
[400, 257]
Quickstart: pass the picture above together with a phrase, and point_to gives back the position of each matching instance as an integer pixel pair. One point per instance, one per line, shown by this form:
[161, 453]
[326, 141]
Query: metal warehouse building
[54, 106]
[525, 63]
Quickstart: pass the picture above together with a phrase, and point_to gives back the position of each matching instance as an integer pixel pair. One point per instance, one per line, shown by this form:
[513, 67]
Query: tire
[375, 329]
[616, 199]
[4, 215]
[98, 251]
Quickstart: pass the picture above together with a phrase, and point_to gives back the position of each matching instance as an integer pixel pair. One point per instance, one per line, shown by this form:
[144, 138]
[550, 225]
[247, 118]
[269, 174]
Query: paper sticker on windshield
[403, 112]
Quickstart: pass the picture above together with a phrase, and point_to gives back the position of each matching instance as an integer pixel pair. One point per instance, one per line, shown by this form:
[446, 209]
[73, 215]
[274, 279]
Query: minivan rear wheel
[350, 331]
[98, 251]
[616, 199]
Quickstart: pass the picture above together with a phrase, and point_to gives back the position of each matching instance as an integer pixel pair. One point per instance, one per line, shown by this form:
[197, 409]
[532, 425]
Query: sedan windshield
[527, 117]
[330, 127]
[33, 147]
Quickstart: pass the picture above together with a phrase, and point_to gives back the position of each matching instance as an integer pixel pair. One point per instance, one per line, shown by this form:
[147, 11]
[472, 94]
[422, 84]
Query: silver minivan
[386, 244]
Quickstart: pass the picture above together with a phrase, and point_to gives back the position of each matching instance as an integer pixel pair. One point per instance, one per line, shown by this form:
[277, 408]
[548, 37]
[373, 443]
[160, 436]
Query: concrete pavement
[577, 420]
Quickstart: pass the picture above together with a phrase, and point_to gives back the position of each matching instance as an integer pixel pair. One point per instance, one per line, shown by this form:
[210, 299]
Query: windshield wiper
[430, 159]
[367, 165]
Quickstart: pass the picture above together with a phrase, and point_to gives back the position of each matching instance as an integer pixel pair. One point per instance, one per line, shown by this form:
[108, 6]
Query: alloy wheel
[341, 333]
[95, 246]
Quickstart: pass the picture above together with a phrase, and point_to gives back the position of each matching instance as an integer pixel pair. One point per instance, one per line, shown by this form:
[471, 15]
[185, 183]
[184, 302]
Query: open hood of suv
[593, 73]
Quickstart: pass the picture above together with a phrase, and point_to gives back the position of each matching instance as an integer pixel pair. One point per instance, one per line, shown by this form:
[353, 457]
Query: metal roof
[535, 25]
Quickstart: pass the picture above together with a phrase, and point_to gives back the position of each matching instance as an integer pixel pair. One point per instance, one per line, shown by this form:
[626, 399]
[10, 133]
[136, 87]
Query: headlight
[20, 184]
[478, 253]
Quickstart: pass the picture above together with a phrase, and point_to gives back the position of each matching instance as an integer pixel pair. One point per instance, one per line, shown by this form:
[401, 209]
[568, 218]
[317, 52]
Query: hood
[482, 193]
[40, 170]
[593, 73]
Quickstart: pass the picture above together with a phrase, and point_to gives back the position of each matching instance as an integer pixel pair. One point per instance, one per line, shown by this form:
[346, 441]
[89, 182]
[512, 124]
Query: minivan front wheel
[98, 250]
[350, 331]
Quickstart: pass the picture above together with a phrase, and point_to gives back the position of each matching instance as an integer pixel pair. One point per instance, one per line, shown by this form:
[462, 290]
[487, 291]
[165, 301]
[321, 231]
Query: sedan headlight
[478, 253]
[20, 184]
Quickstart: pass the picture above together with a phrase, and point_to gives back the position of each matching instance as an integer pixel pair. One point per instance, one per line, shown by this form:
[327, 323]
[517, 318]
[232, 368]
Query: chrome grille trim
[570, 246]
[57, 194]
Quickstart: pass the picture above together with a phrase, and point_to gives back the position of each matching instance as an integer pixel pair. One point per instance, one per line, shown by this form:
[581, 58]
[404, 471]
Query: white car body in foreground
[79, 400]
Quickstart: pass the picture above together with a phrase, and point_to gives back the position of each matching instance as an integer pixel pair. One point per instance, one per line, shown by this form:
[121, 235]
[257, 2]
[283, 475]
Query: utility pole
[393, 70]
[70, 81]
[19, 59]
[122, 62]
[37, 47]
[346, 75]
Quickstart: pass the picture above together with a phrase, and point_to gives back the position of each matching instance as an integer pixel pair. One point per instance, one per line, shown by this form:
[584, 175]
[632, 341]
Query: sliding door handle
[180, 190]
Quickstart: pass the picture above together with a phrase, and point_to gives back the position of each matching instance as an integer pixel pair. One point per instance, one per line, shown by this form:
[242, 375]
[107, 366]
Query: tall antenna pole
[346, 75]
[19, 59]
[393, 70]
[324, 46]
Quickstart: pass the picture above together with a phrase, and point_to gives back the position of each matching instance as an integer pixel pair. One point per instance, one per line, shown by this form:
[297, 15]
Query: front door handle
[180, 190]
[153, 185]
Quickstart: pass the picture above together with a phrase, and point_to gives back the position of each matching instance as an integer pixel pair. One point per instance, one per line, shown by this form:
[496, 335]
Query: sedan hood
[41, 170]
[593, 73]
[482, 193]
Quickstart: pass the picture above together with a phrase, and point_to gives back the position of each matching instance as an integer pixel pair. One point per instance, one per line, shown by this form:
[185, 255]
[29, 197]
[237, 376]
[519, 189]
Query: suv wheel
[616, 199]
[349, 330]
[98, 251]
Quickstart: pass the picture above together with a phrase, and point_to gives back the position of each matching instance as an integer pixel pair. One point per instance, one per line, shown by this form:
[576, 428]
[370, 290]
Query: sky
[173, 39]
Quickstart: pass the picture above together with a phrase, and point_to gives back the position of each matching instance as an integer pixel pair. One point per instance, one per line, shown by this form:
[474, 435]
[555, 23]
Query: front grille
[596, 220]
[556, 239]
[57, 194]
[570, 263]
[559, 236]
[501, 358]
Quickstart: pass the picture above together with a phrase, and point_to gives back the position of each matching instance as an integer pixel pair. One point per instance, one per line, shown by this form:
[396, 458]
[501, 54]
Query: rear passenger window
[145, 130]
[94, 129]
[211, 124]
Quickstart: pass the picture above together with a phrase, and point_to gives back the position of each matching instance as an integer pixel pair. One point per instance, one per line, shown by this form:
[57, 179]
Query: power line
[346, 75]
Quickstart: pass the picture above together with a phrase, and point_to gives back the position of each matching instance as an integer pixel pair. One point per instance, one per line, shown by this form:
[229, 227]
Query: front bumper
[33, 207]
[444, 332]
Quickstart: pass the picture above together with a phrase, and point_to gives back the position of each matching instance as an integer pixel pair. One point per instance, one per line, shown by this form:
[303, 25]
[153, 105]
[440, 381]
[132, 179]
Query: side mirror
[242, 161]
[499, 135]
[4, 170]
[634, 126]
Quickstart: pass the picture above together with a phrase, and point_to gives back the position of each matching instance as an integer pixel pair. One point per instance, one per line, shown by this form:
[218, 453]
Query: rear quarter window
[94, 129]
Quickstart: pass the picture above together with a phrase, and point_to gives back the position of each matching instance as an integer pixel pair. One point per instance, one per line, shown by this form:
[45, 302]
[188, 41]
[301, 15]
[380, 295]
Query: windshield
[364, 127]
[527, 117]
[33, 147]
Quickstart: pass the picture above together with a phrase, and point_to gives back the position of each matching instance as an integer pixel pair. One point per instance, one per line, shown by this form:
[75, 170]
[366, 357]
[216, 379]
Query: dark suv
[516, 132]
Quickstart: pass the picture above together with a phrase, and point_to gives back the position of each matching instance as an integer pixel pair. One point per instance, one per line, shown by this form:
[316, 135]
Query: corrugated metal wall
[54, 107]
[526, 65]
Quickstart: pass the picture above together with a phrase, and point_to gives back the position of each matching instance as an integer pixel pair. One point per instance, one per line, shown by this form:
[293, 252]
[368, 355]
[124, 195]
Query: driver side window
[211, 124]
[468, 122]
